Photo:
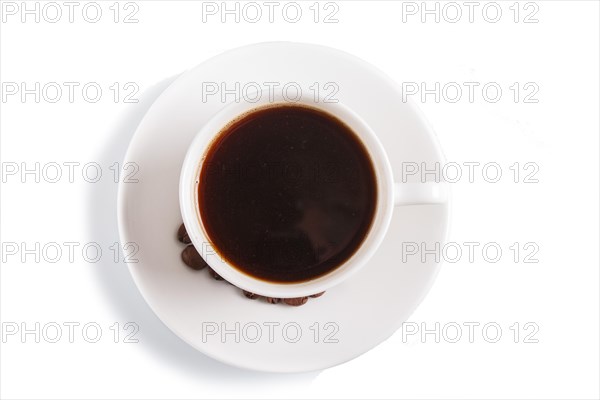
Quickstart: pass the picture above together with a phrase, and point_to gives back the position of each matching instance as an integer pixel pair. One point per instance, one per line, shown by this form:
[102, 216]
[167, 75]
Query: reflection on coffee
[287, 193]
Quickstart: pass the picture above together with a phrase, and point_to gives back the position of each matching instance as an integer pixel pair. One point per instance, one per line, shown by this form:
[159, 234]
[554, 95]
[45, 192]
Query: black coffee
[287, 193]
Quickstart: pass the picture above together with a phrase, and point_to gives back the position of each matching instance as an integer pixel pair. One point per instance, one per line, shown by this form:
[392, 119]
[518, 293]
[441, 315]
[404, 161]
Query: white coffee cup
[389, 195]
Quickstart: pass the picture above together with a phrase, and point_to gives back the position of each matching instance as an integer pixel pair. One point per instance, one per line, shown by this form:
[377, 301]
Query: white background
[559, 54]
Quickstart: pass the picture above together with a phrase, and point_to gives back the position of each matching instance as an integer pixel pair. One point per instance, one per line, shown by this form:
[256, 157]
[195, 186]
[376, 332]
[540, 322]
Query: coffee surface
[287, 193]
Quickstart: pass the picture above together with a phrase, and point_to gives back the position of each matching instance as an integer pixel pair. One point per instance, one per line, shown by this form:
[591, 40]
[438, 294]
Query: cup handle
[407, 194]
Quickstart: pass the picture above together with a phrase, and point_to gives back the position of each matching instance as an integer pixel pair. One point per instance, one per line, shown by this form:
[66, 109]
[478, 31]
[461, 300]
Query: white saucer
[351, 318]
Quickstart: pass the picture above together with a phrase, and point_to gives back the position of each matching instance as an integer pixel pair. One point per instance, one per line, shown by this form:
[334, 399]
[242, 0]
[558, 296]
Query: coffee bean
[192, 259]
[250, 295]
[296, 301]
[214, 274]
[182, 235]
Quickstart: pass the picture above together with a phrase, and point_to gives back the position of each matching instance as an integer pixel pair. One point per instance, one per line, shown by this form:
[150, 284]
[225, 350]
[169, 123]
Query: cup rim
[188, 197]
